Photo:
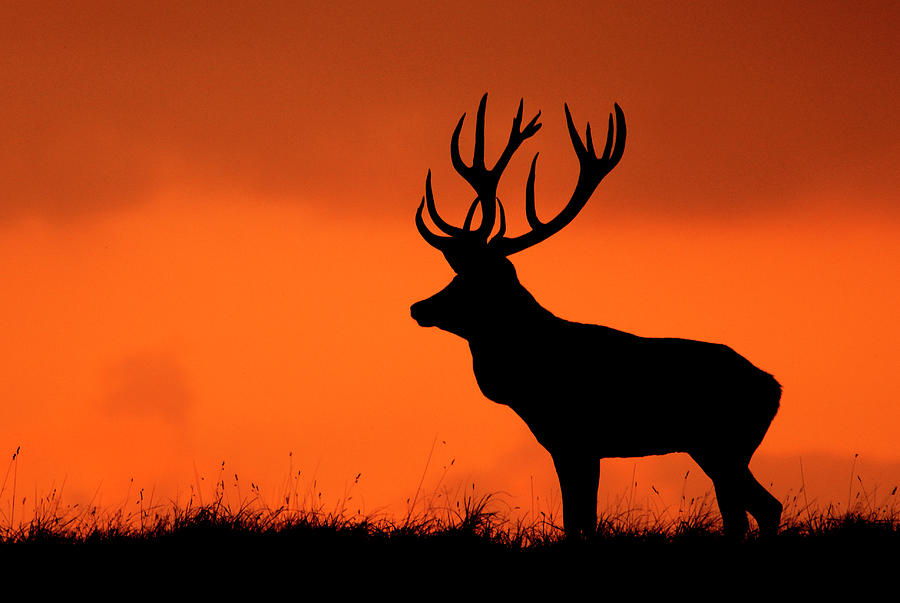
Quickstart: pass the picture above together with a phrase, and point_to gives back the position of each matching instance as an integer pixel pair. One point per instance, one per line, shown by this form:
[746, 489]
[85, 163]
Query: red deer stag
[586, 391]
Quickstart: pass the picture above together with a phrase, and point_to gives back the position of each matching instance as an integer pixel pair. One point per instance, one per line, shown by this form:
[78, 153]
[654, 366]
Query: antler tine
[592, 170]
[580, 151]
[474, 173]
[609, 138]
[477, 175]
[433, 212]
[478, 155]
[517, 137]
[502, 230]
[485, 181]
[470, 215]
[619, 149]
[438, 242]
[530, 212]
[590, 141]
[455, 158]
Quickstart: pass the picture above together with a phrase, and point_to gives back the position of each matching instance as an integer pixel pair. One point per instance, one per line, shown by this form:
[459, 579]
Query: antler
[592, 170]
[483, 181]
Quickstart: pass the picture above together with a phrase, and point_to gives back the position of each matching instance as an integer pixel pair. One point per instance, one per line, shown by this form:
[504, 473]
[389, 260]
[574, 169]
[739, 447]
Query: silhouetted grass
[464, 530]
[475, 524]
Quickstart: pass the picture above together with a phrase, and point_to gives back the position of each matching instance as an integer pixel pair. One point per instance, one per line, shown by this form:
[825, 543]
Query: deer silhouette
[587, 391]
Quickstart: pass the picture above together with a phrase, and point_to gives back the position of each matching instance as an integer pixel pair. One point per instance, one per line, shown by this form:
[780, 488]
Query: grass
[440, 530]
[473, 520]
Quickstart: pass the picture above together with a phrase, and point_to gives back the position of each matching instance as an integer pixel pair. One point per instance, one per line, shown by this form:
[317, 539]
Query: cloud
[148, 385]
[730, 109]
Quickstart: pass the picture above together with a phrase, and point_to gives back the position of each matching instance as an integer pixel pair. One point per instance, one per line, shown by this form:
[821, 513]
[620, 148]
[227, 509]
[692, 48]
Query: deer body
[631, 395]
[587, 391]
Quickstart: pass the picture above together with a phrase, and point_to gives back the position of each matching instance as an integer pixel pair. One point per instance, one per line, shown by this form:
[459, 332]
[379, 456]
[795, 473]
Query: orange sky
[208, 251]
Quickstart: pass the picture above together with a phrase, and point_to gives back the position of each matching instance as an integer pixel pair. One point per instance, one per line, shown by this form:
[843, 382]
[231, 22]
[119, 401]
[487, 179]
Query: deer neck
[505, 345]
[514, 328]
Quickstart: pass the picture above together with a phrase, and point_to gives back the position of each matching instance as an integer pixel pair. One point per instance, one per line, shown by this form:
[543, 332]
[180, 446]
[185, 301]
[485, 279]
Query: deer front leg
[579, 477]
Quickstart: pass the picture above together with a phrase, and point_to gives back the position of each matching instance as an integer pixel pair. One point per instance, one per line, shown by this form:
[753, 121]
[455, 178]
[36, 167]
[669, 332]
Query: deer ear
[459, 260]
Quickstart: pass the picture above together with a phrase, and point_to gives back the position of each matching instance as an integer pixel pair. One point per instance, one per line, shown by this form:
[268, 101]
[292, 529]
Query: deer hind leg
[579, 478]
[765, 508]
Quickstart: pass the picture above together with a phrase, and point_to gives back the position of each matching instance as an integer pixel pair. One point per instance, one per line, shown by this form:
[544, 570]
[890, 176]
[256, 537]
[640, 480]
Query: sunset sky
[208, 253]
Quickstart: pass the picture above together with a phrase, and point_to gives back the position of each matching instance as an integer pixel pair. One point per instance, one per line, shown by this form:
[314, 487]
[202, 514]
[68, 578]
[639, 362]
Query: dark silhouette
[587, 391]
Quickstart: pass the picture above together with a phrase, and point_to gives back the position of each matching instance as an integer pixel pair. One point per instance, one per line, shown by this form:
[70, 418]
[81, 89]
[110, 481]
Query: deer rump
[639, 396]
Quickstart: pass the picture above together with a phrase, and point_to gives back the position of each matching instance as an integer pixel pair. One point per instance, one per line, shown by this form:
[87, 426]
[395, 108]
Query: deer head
[486, 286]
